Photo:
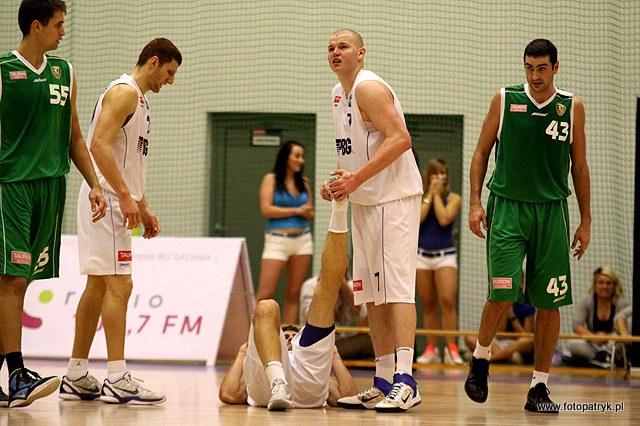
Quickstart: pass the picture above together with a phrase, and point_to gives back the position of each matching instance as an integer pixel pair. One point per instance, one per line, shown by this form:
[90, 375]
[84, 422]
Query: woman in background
[286, 202]
[437, 272]
[594, 316]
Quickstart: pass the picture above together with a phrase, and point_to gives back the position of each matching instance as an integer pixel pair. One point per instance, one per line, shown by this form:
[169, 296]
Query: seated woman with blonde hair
[594, 316]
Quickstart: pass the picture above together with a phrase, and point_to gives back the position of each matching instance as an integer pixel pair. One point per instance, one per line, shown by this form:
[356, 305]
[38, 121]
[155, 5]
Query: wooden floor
[192, 399]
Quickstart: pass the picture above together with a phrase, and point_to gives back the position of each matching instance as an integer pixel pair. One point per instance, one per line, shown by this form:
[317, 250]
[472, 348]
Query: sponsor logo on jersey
[39, 80]
[124, 255]
[21, 258]
[560, 109]
[343, 146]
[357, 285]
[57, 71]
[506, 283]
[518, 108]
[336, 100]
[17, 75]
[539, 114]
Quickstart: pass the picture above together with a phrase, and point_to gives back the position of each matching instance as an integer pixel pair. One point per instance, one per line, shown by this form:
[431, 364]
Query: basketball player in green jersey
[539, 135]
[39, 131]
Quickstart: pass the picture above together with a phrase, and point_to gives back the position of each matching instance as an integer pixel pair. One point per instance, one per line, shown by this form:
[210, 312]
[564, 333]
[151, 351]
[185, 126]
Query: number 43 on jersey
[560, 134]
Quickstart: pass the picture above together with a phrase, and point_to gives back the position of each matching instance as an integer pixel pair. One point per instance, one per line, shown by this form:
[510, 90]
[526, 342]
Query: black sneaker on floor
[476, 384]
[25, 386]
[538, 400]
[4, 398]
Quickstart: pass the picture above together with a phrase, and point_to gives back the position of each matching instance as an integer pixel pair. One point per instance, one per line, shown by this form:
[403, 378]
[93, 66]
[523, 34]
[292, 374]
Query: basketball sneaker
[476, 386]
[86, 388]
[25, 386]
[367, 399]
[452, 356]
[4, 398]
[403, 395]
[431, 355]
[128, 390]
[538, 400]
[280, 397]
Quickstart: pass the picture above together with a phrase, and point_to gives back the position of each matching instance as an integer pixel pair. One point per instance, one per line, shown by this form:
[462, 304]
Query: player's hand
[130, 212]
[581, 241]
[98, 204]
[325, 193]
[477, 217]
[346, 183]
[150, 223]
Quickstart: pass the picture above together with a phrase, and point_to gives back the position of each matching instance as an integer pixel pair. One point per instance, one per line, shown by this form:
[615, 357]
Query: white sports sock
[385, 365]
[77, 368]
[539, 377]
[404, 360]
[274, 370]
[116, 370]
[338, 221]
[482, 352]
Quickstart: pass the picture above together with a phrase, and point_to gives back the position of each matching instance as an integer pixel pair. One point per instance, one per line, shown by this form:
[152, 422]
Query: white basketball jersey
[357, 141]
[131, 144]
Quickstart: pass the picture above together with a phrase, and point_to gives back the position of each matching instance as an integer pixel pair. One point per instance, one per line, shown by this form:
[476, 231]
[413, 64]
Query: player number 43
[557, 286]
[560, 134]
[59, 94]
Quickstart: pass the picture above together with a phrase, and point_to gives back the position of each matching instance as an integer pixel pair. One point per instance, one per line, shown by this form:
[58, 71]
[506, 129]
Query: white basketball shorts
[306, 369]
[104, 247]
[385, 241]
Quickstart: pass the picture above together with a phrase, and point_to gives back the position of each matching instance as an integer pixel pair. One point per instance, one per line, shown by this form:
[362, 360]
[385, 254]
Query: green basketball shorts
[539, 232]
[30, 222]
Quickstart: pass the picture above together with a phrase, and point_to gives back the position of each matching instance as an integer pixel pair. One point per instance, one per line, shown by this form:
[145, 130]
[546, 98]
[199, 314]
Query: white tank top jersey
[357, 141]
[131, 144]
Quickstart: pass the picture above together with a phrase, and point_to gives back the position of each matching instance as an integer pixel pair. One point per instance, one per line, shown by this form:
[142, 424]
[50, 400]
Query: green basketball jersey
[533, 151]
[35, 118]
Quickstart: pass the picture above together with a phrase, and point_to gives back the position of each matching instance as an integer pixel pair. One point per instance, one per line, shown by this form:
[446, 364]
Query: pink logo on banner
[21, 258]
[357, 285]
[518, 108]
[502, 283]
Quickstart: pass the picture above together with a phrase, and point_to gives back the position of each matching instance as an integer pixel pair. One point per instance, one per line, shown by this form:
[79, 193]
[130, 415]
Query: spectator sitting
[594, 316]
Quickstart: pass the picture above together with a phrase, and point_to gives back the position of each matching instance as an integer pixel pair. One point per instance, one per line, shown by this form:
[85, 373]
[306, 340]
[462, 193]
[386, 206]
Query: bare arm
[342, 383]
[270, 211]
[233, 389]
[446, 214]
[376, 105]
[486, 140]
[425, 206]
[149, 219]
[118, 104]
[80, 157]
[580, 175]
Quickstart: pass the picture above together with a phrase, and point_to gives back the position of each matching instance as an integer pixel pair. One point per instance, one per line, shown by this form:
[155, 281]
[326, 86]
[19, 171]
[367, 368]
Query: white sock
[539, 377]
[482, 352]
[274, 370]
[385, 366]
[77, 368]
[116, 370]
[338, 221]
[404, 360]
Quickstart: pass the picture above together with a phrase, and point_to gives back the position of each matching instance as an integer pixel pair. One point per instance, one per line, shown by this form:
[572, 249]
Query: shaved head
[357, 37]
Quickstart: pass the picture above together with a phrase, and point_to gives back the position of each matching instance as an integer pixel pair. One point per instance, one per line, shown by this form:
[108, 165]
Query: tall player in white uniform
[379, 175]
[119, 145]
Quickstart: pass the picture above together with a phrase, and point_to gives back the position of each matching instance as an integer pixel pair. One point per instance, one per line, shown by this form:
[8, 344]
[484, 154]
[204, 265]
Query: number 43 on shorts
[558, 287]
